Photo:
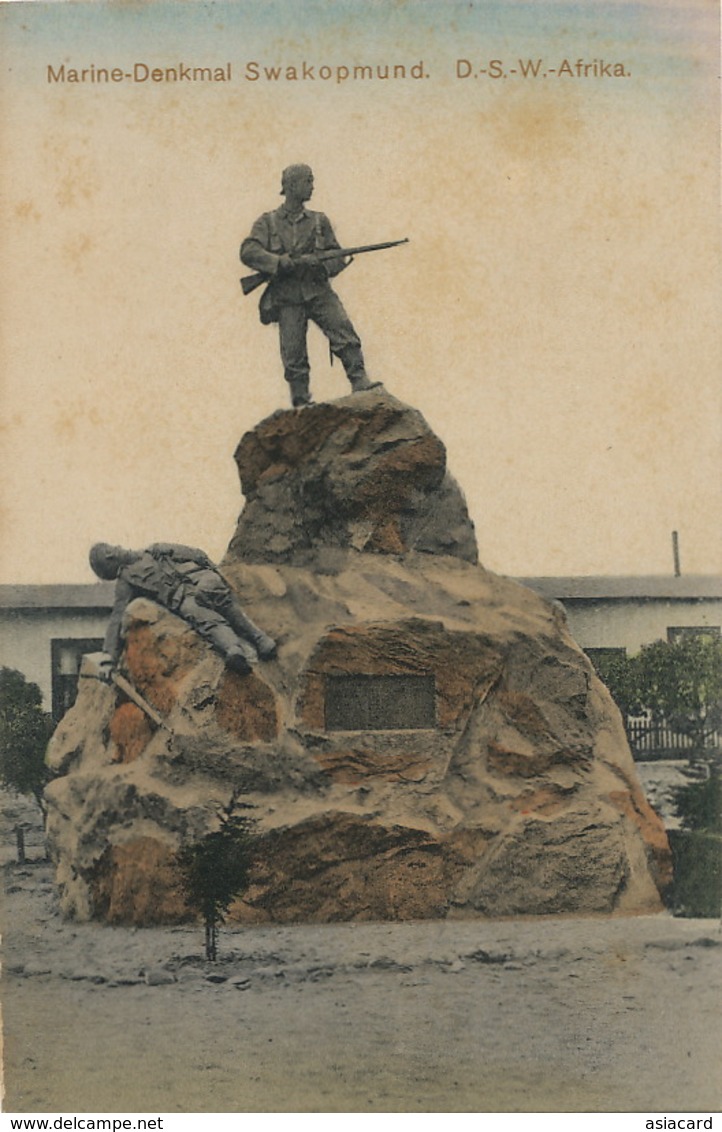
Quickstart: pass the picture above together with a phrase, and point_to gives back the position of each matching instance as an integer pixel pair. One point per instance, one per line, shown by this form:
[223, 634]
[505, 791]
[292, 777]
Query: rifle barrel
[250, 282]
[335, 253]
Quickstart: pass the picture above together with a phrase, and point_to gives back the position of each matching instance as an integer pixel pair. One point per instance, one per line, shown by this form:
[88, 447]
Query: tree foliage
[215, 869]
[24, 733]
[618, 672]
[679, 682]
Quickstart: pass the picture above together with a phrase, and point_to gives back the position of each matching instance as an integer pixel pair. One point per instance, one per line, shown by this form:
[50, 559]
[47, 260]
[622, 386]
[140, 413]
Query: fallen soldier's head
[106, 560]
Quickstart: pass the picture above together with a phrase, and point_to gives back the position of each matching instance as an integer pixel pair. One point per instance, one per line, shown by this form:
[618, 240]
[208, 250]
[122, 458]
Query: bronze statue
[296, 251]
[184, 580]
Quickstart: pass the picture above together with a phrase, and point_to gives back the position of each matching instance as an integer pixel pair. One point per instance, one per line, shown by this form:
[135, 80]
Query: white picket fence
[658, 740]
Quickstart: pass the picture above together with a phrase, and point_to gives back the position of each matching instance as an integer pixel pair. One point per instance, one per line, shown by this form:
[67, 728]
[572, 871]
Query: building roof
[688, 587]
[98, 595]
[651, 587]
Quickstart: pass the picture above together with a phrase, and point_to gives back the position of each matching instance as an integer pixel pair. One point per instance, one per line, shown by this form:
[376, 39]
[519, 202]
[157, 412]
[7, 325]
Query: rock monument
[429, 742]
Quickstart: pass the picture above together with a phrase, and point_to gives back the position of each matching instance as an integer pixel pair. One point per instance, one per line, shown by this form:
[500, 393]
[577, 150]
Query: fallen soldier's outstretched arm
[123, 594]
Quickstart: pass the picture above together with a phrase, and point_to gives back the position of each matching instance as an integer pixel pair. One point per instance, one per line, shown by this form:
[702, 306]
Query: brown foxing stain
[27, 210]
[538, 129]
[76, 179]
[665, 293]
[530, 134]
[70, 417]
[649, 396]
[73, 190]
[15, 422]
[76, 250]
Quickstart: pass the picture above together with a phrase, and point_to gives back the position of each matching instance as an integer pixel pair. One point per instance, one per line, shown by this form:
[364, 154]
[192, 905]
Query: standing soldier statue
[295, 252]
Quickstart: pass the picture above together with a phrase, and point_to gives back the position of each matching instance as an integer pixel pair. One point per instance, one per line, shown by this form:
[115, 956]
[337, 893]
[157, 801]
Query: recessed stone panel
[380, 703]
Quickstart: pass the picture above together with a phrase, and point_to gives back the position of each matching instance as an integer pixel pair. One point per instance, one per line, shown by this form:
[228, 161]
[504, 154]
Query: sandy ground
[527, 1015]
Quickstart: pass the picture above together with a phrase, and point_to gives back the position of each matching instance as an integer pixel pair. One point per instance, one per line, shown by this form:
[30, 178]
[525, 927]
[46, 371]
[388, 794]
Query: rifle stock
[249, 283]
[93, 666]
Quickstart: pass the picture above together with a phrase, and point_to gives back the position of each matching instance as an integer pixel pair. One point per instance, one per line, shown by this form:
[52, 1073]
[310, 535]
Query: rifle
[95, 663]
[250, 282]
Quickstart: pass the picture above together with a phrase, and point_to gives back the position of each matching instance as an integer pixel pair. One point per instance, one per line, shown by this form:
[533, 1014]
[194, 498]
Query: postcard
[526, 196]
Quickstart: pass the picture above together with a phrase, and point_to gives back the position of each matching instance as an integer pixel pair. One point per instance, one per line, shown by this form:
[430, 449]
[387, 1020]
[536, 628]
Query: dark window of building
[682, 632]
[65, 657]
[380, 703]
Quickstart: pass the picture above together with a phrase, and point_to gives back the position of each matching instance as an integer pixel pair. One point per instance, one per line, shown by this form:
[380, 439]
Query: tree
[215, 869]
[24, 733]
[679, 683]
[618, 671]
[682, 683]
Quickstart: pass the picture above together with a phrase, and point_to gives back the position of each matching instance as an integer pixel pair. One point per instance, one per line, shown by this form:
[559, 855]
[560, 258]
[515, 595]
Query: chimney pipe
[675, 552]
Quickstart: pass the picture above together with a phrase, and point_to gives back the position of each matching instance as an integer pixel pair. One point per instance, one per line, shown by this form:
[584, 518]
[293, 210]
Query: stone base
[518, 795]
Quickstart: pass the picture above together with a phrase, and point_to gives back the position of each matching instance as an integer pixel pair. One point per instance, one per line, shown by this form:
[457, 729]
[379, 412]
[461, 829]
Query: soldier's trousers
[208, 604]
[327, 311]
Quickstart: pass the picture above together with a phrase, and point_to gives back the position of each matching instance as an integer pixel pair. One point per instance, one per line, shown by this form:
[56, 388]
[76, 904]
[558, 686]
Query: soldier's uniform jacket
[276, 234]
[166, 573]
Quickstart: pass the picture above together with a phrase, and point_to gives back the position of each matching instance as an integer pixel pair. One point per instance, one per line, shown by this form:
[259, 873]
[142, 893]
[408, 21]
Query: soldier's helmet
[106, 560]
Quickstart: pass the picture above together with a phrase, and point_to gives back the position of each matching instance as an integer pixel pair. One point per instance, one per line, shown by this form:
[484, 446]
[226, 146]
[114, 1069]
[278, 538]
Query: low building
[624, 613]
[44, 630]
[618, 615]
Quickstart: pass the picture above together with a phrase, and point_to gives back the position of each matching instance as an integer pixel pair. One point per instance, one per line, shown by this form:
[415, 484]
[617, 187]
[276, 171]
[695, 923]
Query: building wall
[26, 636]
[27, 631]
[632, 623]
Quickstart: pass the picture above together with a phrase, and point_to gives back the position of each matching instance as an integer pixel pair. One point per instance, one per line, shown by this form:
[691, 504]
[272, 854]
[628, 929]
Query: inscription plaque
[380, 703]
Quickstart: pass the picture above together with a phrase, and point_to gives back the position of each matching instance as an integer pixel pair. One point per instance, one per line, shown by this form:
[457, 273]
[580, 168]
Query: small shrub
[699, 805]
[697, 849]
[697, 887]
[215, 869]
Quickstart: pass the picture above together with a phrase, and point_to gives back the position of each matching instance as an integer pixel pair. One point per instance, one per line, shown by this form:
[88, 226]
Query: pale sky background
[554, 317]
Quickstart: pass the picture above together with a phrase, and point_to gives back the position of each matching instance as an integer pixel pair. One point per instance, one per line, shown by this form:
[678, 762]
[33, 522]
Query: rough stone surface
[519, 797]
[365, 472]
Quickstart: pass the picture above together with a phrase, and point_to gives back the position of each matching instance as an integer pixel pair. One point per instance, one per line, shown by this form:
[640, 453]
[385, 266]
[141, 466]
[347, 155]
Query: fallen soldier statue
[184, 580]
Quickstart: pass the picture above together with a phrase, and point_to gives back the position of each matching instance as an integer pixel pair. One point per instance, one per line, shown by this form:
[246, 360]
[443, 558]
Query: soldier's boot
[264, 645]
[239, 655]
[353, 362]
[300, 394]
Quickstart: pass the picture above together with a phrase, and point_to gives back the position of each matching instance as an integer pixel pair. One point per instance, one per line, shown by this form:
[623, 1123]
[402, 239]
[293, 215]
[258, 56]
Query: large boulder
[429, 742]
[365, 472]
